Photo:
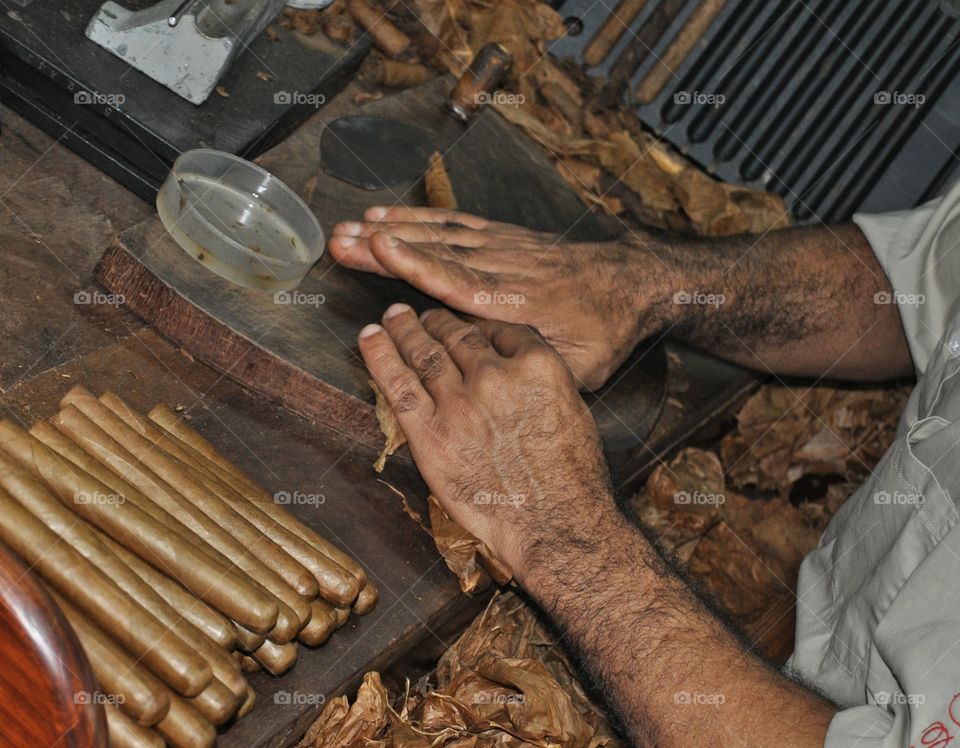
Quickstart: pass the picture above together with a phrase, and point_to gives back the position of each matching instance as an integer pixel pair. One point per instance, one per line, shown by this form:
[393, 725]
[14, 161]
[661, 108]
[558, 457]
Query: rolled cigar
[322, 623]
[366, 600]
[687, 37]
[185, 727]
[381, 71]
[223, 546]
[107, 555]
[439, 188]
[335, 582]
[342, 615]
[123, 732]
[141, 695]
[201, 615]
[133, 528]
[223, 666]
[217, 703]
[248, 641]
[389, 39]
[99, 597]
[37, 499]
[615, 25]
[276, 658]
[248, 488]
[247, 663]
[176, 474]
[247, 705]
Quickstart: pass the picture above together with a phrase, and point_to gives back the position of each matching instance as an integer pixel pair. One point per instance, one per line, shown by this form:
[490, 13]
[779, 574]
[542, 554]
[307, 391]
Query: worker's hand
[495, 423]
[592, 302]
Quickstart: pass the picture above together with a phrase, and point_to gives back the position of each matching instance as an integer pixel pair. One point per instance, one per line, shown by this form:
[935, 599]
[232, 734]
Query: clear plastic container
[239, 220]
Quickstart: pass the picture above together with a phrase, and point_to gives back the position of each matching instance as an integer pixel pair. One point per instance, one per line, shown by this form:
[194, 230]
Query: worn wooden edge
[231, 353]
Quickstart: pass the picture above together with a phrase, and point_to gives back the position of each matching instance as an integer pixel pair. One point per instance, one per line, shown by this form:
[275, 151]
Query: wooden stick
[218, 584]
[222, 631]
[140, 694]
[330, 579]
[98, 596]
[72, 422]
[123, 732]
[248, 488]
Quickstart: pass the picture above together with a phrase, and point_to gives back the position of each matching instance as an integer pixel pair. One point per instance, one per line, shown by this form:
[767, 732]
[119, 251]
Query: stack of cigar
[177, 571]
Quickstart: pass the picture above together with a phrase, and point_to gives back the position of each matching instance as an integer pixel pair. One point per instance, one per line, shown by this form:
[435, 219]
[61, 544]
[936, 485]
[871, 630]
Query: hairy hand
[494, 422]
[593, 302]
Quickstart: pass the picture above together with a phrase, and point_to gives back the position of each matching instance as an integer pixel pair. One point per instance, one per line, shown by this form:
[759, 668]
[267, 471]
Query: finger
[418, 232]
[355, 254]
[421, 351]
[509, 339]
[455, 284]
[401, 213]
[400, 386]
[463, 341]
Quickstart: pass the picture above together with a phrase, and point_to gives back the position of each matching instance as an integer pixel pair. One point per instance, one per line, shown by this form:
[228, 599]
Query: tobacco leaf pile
[596, 143]
[739, 517]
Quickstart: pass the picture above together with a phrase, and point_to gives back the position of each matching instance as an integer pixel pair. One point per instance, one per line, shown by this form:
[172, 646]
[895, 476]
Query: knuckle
[473, 340]
[402, 387]
[429, 361]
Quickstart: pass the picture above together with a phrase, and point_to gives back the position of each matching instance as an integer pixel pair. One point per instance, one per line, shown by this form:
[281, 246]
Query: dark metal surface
[810, 95]
[132, 127]
[397, 153]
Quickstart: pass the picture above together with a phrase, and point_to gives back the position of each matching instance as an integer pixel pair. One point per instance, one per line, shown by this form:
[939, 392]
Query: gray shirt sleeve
[919, 251]
[878, 611]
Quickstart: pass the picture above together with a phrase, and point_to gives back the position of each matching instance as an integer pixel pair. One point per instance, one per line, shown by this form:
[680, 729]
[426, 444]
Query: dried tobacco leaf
[357, 727]
[389, 426]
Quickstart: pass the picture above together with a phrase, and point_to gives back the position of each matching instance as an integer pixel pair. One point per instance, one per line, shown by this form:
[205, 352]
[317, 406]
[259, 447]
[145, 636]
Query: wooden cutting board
[305, 355]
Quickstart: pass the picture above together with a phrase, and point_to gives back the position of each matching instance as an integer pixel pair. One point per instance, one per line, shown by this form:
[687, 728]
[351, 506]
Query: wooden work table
[57, 215]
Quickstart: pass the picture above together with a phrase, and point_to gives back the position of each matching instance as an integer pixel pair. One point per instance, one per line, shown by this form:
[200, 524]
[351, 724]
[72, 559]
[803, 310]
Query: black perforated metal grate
[837, 106]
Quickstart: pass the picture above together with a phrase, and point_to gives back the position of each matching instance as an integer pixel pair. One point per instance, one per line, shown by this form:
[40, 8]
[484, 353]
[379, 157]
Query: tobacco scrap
[504, 684]
[439, 188]
[389, 426]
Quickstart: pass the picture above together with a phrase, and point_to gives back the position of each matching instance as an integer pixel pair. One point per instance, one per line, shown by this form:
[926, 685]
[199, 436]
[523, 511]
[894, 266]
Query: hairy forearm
[672, 672]
[801, 301]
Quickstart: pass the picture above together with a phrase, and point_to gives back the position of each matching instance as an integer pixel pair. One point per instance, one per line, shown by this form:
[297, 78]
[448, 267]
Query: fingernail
[394, 309]
[369, 330]
[375, 214]
[426, 313]
[346, 241]
[351, 228]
